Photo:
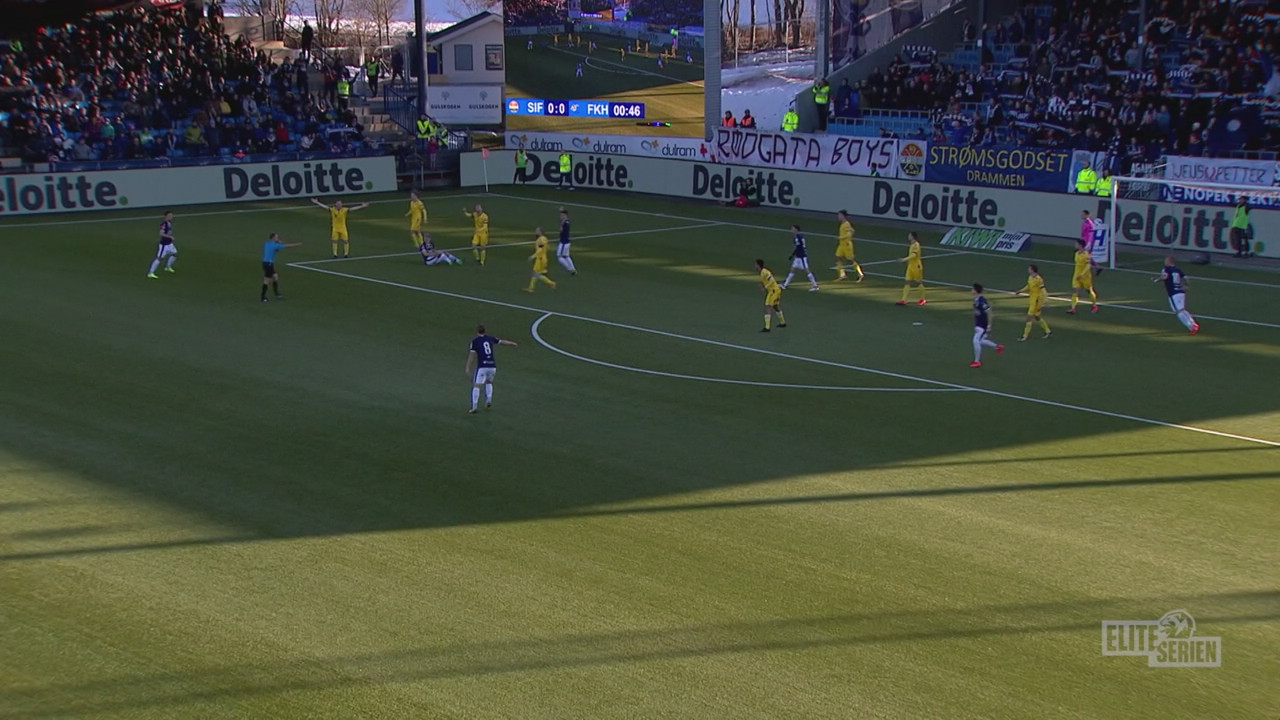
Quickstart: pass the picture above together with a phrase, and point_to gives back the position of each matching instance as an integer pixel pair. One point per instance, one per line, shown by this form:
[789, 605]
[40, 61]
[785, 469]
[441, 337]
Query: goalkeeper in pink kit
[1086, 237]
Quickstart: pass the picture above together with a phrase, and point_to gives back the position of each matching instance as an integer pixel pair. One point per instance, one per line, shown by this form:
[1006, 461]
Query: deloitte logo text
[57, 192]
[951, 206]
[321, 178]
[600, 172]
[727, 185]
[1170, 224]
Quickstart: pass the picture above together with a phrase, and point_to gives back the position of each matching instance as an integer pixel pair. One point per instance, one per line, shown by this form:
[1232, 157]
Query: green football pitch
[673, 93]
[214, 507]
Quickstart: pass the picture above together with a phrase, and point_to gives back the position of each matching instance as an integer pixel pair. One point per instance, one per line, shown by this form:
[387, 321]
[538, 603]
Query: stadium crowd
[144, 82]
[1074, 75]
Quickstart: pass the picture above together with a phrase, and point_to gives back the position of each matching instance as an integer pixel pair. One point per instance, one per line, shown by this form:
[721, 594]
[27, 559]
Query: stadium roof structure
[462, 25]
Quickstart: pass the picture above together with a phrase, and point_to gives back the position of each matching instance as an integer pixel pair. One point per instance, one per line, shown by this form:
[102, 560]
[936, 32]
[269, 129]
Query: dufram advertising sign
[1156, 224]
[112, 190]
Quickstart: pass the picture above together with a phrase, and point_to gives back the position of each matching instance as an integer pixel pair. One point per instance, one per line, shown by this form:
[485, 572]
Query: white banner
[1154, 224]
[1101, 249]
[466, 104]
[668, 147]
[115, 189]
[1226, 171]
[982, 239]
[844, 154]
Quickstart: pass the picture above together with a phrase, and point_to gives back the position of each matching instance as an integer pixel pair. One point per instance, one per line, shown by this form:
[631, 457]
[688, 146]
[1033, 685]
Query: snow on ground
[765, 83]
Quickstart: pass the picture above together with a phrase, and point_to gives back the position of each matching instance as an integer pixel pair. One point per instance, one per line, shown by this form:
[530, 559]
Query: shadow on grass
[232, 683]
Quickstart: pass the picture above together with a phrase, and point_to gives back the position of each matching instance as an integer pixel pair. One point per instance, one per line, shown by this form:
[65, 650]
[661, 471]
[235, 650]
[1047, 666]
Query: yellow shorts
[844, 252]
[337, 235]
[540, 269]
[480, 239]
[1084, 280]
[1036, 307]
[415, 226]
[773, 297]
[915, 274]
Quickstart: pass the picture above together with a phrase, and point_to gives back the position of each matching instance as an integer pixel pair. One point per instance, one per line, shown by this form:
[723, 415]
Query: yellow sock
[547, 280]
[1026, 331]
[768, 320]
[840, 269]
[533, 282]
[335, 247]
[905, 289]
[416, 241]
[921, 291]
[1075, 300]
[483, 254]
[782, 320]
[1093, 295]
[858, 267]
[1044, 325]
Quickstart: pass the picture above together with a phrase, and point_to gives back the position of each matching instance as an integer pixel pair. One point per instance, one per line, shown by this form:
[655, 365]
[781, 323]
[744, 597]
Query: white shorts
[484, 376]
[1178, 302]
[800, 264]
[981, 333]
[164, 251]
[562, 250]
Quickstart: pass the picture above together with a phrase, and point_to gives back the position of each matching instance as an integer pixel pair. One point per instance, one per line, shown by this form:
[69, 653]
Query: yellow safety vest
[822, 94]
[790, 121]
[566, 162]
[1086, 181]
[344, 88]
[424, 129]
[1102, 188]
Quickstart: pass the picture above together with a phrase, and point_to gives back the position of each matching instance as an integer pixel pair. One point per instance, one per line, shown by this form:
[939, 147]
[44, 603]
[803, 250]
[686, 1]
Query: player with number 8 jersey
[481, 361]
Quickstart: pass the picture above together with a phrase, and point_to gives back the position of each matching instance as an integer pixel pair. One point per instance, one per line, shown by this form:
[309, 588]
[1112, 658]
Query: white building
[470, 52]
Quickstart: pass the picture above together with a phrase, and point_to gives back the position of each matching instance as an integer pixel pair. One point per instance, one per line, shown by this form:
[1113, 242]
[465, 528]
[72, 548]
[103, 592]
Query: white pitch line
[1117, 306]
[900, 243]
[180, 216]
[641, 71]
[932, 256]
[537, 336]
[802, 358]
[501, 245]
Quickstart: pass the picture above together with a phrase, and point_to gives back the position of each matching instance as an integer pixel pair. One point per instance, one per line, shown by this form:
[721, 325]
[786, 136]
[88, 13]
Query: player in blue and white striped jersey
[800, 259]
[982, 327]
[562, 248]
[166, 250]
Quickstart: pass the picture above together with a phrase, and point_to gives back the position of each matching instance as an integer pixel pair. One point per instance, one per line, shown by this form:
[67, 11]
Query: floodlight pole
[822, 55]
[711, 59]
[420, 28]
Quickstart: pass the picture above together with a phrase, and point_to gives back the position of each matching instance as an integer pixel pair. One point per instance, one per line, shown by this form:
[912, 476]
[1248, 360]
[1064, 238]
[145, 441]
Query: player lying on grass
[432, 256]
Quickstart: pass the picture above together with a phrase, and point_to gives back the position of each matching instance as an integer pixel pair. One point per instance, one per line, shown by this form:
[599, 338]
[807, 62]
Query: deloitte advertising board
[116, 189]
[1155, 224]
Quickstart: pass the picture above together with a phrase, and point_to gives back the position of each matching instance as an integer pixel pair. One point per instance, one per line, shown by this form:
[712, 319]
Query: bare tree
[271, 11]
[467, 8]
[330, 15]
[794, 10]
[779, 24]
[378, 14]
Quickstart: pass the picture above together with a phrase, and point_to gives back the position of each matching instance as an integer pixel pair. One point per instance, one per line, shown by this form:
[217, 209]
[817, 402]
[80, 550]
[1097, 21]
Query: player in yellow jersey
[338, 224]
[479, 238]
[539, 259]
[844, 248]
[1082, 278]
[915, 270]
[1035, 290]
[772, 297]
[417, 218]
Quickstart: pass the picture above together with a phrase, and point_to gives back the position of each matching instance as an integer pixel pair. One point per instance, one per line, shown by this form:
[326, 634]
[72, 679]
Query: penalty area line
[537, 336]
[802, 358]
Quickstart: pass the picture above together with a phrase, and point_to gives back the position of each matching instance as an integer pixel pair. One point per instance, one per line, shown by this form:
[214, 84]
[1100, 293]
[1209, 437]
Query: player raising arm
[982, 327]
[844, 247]
[1035, 290]
[1175, 284]
[480, 237]
[338, 224]
[269, 274]
[772, 297]
[1082, 278]
[480, 359]
[915, 269]
[417, 218]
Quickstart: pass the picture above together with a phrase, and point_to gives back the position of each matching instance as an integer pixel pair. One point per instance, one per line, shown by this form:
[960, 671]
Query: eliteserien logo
[1168, 642]
[317, 179]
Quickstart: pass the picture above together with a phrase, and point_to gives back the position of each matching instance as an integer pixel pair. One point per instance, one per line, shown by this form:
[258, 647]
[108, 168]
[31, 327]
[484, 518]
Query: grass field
[217, 508]
[673, 93]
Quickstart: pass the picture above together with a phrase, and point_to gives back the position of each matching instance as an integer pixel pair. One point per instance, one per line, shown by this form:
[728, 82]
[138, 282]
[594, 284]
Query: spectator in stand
[194, 138]
[397, 66]
[728, 120]
[748, 120]
[371, 70]
[844, 95]
[822, 102]
[308, 38]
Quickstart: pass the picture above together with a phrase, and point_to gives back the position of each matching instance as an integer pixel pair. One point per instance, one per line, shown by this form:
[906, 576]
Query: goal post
[1182, 216]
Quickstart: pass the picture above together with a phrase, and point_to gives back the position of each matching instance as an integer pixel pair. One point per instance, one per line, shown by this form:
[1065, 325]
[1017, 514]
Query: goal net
[1182, 217]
